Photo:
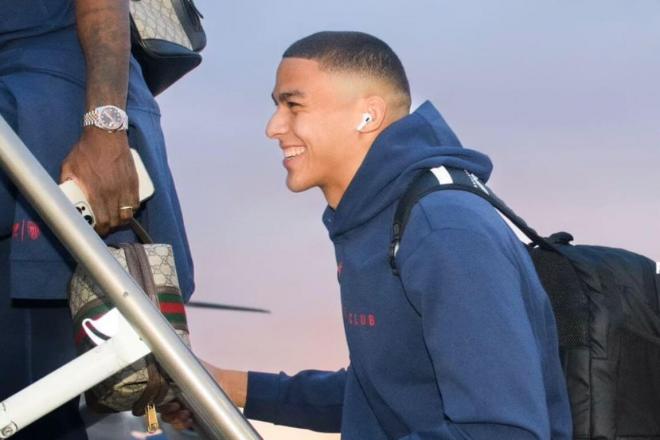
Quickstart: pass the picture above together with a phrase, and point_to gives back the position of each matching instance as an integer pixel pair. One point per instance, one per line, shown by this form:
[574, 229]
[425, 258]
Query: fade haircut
[354, 52]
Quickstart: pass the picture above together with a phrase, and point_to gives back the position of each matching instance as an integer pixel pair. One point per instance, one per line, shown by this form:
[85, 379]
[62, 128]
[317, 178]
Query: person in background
[63, 62]
[462, 343]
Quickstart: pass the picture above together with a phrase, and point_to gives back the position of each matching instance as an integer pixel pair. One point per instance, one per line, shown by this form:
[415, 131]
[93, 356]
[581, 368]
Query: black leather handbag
[167, 38]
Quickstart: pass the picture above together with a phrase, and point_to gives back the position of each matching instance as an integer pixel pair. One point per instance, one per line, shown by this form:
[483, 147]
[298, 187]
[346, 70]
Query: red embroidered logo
[34, 232]
[25, 229]
[340, 268]
[360, 319]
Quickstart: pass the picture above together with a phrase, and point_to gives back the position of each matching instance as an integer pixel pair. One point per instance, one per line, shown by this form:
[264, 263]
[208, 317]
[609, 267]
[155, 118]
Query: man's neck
[334, 191]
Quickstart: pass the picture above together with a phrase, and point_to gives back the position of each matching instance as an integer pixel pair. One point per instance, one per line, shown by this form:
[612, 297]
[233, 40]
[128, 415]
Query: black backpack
[606, 305]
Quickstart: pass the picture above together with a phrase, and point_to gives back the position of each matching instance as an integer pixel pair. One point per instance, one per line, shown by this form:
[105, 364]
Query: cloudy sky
[564, 96]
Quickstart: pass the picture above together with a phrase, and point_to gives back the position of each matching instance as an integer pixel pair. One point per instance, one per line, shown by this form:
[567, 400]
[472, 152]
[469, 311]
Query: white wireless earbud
[366, 118]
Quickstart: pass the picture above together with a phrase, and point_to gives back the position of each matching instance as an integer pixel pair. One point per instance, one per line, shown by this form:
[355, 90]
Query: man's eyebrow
[285, 96]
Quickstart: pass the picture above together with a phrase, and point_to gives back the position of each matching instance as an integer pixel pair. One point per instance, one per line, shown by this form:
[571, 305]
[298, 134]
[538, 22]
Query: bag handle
[140, 232]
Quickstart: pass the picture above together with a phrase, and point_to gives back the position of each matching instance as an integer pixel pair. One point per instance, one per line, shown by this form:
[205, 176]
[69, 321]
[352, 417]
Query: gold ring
[126, 207]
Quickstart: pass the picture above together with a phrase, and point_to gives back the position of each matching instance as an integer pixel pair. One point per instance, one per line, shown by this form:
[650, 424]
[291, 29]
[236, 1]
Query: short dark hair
[352, 52]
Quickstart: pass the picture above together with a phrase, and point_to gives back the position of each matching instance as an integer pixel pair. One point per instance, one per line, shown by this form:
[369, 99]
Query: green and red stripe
[171, 306]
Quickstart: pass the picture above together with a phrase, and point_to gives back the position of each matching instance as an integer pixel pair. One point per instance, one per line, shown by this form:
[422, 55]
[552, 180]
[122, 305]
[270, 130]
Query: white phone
[77, 197]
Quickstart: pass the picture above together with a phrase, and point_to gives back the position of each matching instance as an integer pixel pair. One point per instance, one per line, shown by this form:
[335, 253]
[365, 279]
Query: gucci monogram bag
[141, 386]
[166, 37]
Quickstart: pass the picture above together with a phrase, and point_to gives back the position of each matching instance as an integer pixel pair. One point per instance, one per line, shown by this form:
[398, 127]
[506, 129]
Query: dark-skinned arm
[100, 162]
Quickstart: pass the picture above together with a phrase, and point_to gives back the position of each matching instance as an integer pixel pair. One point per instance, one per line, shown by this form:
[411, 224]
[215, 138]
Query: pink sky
[562, 96]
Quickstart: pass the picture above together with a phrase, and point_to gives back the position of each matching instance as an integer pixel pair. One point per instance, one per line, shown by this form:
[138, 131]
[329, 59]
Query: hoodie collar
[421, 140]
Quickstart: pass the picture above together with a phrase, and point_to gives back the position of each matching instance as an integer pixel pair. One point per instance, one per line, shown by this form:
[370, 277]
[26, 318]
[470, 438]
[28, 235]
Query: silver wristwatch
[107, 117]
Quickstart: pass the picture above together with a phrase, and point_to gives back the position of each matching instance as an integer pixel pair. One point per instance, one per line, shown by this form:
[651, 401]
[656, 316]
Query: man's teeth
[293, 152]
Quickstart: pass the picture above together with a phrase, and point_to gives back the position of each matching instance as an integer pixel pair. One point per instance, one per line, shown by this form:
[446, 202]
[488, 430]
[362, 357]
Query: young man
[463, 343]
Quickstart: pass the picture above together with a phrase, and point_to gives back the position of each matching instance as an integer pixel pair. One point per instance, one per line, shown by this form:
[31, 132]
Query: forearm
[100, 162]
[104, 33]
[233, 382]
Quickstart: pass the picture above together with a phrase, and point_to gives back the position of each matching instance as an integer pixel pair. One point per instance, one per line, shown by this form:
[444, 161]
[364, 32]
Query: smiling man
[462, 342]
[314, 99]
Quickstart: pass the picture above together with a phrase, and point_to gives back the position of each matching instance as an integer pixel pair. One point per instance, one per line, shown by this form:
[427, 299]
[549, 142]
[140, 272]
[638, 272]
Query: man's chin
[296, 186]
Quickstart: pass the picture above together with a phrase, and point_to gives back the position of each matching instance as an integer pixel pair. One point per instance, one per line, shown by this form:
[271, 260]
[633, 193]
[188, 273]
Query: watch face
[110, 118]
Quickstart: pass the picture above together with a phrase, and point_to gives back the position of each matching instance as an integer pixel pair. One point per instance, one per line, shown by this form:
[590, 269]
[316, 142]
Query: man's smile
[291, 152]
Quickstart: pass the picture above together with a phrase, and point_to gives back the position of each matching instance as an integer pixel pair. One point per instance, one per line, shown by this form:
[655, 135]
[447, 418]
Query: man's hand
[102, 165]
[176, 415]
[234, 384]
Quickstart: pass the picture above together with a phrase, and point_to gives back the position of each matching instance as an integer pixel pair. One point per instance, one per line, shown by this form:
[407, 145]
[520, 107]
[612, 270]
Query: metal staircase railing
[213, 409]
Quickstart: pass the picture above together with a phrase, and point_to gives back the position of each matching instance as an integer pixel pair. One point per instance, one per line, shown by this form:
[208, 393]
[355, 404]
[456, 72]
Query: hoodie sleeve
[477, 331]
[310, 399]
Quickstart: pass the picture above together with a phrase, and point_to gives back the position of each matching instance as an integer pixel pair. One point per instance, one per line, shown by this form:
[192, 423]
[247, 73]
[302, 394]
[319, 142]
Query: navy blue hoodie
[462, 345]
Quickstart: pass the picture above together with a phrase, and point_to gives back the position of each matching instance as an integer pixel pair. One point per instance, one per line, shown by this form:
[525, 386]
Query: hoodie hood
[421, 140]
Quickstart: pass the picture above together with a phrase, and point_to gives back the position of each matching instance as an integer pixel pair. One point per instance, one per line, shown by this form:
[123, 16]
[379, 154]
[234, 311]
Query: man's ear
[373, 114]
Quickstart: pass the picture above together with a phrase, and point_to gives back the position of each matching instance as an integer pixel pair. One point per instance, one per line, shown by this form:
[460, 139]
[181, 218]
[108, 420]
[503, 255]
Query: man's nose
[277, 125]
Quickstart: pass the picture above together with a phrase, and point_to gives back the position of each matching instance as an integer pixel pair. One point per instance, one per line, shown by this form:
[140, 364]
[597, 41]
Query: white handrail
[72, 379]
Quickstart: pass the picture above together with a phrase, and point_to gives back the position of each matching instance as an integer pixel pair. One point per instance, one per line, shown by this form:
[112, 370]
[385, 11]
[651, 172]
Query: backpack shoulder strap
[445, 178]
